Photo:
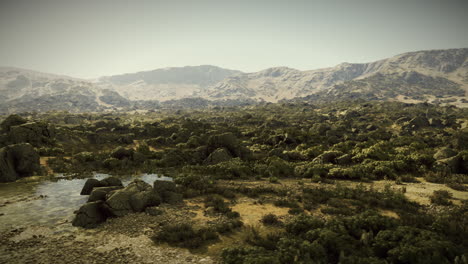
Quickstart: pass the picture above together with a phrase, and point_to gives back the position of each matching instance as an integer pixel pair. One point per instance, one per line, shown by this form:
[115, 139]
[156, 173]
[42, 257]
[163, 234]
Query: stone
[141, 200]
[100, 193]
[111, 181]
[133, 198]
[93, 183]
[90, 215]
[16, 161]
[89, 185]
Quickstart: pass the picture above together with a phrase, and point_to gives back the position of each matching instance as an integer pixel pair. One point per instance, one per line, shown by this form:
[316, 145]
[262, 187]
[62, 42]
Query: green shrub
[184, 235]
[270, 219]
[441, 197]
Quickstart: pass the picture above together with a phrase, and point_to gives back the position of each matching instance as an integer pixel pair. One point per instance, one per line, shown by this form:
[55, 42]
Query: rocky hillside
[438, 76]
[422, 75]
[168, 83]
[24, 90]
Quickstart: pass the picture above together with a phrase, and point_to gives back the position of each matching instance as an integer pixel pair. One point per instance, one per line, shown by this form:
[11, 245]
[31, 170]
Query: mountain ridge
[439, 76]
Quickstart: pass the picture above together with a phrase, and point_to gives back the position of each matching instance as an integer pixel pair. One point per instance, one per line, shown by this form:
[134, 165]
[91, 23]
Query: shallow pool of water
[51, 203]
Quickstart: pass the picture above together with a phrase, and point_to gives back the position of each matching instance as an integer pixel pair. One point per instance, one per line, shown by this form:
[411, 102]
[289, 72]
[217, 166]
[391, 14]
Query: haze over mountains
[439, 76]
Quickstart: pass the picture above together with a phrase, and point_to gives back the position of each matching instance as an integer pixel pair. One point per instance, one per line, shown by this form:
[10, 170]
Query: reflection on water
[50, 203]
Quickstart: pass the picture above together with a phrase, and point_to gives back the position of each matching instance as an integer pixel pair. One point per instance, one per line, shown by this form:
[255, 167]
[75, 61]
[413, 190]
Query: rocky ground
[119, 240]
[127, 239]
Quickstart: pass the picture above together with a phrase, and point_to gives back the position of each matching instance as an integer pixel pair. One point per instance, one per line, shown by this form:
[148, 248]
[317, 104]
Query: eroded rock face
[16, 161]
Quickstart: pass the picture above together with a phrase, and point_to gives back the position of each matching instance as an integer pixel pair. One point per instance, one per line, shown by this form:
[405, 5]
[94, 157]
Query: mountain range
[437, 76]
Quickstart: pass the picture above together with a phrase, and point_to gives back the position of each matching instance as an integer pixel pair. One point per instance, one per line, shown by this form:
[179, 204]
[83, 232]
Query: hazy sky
[90, 38]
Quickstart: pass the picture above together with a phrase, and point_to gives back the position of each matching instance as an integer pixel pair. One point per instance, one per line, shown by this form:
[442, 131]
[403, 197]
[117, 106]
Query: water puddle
[48, 203]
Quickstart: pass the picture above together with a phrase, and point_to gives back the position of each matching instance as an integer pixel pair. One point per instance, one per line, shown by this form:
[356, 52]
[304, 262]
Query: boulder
[134, 198]
[90, 215]
[100, 193]
[217, 156]
[139, 201]
[111, 181]
[90, 184]
[16, 161]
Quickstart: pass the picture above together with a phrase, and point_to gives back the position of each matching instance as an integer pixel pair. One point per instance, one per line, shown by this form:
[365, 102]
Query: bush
[183, 235]
[441, 197]
[270, 219]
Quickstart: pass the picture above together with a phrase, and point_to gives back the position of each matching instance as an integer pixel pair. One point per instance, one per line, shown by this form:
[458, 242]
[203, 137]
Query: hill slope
[166, 84]
[415, 75]
[25, 90]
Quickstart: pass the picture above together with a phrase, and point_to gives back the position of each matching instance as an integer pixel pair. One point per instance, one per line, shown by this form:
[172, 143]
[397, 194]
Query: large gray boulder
[90, 215]
[16, 161]
[134, 198]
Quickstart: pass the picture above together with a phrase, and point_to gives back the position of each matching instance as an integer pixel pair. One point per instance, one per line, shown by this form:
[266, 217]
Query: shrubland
[206, 149]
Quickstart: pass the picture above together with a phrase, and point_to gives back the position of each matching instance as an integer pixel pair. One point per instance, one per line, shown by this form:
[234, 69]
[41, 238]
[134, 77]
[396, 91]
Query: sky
[92, 38]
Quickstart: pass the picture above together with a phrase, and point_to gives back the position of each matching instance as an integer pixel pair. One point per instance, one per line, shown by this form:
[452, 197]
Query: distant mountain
[423, 75]
[166, 84]
[438, 76]
[25, 90]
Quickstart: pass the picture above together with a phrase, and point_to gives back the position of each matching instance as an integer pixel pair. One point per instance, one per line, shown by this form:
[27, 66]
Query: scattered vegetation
[207, 151]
